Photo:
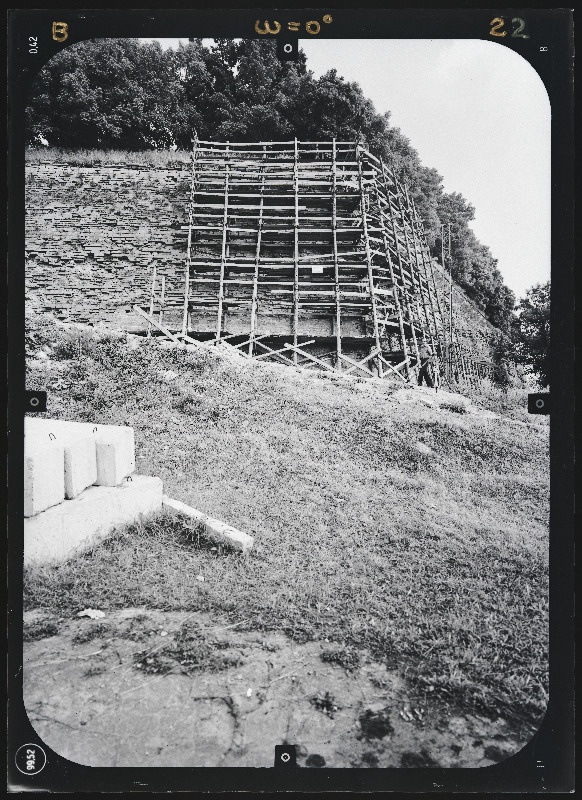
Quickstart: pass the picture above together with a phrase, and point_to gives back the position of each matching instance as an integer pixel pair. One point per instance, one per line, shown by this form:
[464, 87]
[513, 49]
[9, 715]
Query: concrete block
[80, 465]
[115, 454]
[115, 445]
[80, 469]
[44, 475]
[72, 527]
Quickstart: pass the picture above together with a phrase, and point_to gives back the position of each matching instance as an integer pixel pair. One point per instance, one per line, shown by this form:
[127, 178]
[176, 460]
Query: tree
[533, 332]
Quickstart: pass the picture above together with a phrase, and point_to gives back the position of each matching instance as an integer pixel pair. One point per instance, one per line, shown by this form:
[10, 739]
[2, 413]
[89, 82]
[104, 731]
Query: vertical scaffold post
[338, 330]
[296, 252]
[189, 245]
[365, 233]
[422, 269]
[435, 296]
[152, 298]
[254, 302]
[422, 290]
[405, 292]
[449, 250]
[162, 300]
[395, 286]
[223, 247]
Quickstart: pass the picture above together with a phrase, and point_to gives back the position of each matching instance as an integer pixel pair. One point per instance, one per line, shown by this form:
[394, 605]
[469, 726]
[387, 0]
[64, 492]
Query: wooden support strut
[281, 350]
[360, 364]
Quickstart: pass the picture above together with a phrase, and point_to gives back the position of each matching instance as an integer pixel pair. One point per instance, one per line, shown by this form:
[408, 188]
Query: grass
[159, 159]
[435, 559]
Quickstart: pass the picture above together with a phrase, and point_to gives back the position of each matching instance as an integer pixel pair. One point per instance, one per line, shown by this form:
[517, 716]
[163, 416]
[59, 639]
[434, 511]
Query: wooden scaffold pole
[189, 245]
[400, 192]
[422, 273]
[405, 292]
[338, 330]
[395, 286]
[296, 253]
[223, 248]
[368, 258]
[254, 301]
[152, 298]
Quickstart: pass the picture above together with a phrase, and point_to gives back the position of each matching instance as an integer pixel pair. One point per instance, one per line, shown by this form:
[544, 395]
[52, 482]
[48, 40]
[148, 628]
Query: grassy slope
[436, 561]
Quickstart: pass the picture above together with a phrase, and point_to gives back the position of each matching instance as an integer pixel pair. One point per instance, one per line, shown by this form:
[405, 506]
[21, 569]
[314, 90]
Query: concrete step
[68, 528]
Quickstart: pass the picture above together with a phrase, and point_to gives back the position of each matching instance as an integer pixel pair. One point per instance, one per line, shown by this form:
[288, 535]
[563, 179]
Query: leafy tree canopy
[533, 332]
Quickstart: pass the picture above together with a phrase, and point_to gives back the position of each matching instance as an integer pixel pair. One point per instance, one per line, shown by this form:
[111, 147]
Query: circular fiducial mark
[540, 403]
[287, 48]
[30, 759]
[34, 401]
[285, 757]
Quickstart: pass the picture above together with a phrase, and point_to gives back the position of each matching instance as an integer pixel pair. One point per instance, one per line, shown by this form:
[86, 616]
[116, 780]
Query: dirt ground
[107, 693]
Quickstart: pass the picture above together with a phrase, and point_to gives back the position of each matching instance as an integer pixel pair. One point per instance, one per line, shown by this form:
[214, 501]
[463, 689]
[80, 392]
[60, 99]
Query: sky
[479, 114]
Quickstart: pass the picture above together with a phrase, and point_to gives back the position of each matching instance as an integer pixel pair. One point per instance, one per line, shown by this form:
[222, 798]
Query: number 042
[33, 44]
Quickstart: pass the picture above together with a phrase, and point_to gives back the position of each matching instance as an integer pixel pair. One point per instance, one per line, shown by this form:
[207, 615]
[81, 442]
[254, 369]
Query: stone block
[74, 526]
[115, 445]
[115, 454]
[44, 475]
[80, 465]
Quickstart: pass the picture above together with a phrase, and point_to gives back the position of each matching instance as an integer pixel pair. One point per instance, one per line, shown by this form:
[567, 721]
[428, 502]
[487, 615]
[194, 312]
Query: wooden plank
[217, 531]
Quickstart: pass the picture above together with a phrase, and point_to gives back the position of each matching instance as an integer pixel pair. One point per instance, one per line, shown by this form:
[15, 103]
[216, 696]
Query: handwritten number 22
[517, 32]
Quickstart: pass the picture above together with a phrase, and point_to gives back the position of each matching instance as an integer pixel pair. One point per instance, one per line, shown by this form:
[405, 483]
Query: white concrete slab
[115, 454]
[72, 527]
[44, 475]
[115, 444]
[80, 465]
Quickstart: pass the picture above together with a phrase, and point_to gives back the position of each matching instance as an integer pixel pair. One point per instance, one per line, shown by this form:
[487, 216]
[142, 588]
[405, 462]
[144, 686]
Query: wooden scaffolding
[313, 254]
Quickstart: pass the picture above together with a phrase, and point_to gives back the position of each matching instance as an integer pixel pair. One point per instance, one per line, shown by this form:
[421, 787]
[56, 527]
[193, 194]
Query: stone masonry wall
[93, 234]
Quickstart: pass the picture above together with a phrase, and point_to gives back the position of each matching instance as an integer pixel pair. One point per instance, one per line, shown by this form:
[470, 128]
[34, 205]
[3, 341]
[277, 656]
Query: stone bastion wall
[93, 234]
